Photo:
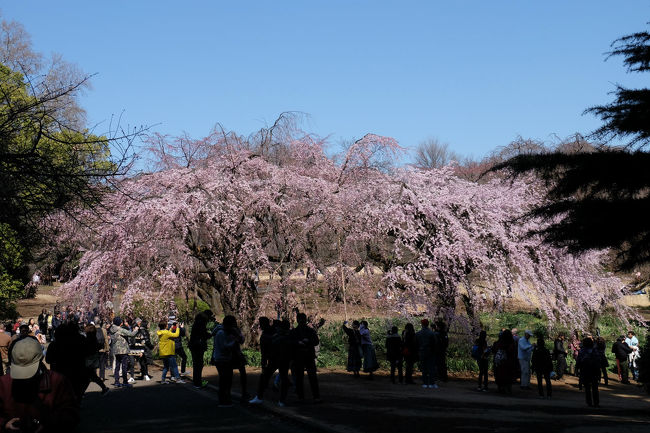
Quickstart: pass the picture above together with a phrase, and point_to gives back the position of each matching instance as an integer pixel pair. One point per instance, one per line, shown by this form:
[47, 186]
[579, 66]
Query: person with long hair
[222, 357]
[504, 361]
[410, 351]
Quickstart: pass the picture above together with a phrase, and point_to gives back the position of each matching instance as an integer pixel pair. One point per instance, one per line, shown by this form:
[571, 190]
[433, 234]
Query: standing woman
[222, 357]
[410, 351]
[505, 359]
[354, 347]
[559, 353]
[369, 357]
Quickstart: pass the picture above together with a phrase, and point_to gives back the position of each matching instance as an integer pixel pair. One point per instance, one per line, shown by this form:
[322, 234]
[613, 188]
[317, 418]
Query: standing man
[633, 344]
[524, 353]
[425, 339]
[621, 350]
[305, 340]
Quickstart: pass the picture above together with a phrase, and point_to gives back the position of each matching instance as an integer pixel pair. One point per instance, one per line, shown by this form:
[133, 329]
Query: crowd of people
[80, 347]
[514, 358]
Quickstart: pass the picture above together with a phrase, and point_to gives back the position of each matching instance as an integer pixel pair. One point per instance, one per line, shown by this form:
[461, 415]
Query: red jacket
[58, 410]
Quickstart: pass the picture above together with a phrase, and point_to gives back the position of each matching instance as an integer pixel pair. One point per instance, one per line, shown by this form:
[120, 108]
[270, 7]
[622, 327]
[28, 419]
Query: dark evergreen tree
[601, 197]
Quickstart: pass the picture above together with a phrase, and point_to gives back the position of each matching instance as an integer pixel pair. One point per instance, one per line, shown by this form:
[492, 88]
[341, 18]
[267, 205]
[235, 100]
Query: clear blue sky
[474, 74]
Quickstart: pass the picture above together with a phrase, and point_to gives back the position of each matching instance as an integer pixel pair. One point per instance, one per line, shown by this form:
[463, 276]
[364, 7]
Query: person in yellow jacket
[167, 351]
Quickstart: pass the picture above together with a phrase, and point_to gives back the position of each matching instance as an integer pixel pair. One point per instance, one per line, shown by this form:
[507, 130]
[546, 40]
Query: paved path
[359, 405]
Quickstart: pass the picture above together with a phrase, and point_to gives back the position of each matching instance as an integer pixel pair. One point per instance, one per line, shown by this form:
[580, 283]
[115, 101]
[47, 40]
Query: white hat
[26, 356]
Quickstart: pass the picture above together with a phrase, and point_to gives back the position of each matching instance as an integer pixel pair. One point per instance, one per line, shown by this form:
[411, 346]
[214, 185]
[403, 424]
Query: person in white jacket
[525, 350]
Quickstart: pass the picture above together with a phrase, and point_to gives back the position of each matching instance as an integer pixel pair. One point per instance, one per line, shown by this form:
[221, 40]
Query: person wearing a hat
[33, 398]
[525, 350]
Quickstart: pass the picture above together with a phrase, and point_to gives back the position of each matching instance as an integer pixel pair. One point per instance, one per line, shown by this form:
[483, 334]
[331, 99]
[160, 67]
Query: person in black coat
[589, 362]
[305, 341]
[198, 344]
[354, 347]
[542, 365]
[410, 352]
[620, 349]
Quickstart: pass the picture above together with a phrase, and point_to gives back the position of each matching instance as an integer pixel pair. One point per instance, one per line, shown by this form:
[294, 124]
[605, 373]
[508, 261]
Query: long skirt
[369, 358]
[354, 358]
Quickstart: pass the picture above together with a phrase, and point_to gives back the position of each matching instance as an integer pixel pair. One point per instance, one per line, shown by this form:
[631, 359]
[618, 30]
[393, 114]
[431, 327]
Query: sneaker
[131, 380]
[186, 373]
[479, 389]
[127, 385]
[256, 400]
[425, 386]
[147, 378]
[163, 382]
[117, 385]
[281, 404]
[434, 386]
[172, 379]
[179, 380]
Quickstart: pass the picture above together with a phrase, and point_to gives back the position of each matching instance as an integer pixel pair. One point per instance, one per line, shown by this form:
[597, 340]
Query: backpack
[476, 352]
[500, 357]
[590, 362]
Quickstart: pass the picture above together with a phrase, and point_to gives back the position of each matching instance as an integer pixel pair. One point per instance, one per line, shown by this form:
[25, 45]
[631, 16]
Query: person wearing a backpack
[589, 362]
[505, 356]
[542, 365]
[621, 350]
[481, 352]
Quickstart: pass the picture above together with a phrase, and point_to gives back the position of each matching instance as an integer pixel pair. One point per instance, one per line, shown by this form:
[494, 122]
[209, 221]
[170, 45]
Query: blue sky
[475, 74]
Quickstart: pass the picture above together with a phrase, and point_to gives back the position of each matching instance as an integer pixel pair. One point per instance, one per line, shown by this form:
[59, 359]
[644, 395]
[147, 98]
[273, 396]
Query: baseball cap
[26, 356]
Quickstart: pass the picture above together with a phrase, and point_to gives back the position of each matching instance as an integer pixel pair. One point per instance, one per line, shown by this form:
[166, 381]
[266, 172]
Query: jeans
[524, 365]
[428, 368]
[225, 382]
[169, 364]
[121, 362]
